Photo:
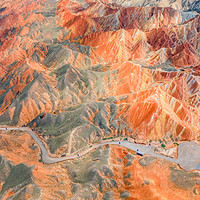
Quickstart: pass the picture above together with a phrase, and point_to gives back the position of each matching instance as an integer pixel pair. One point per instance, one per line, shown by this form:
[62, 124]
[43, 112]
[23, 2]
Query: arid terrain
[82, 72]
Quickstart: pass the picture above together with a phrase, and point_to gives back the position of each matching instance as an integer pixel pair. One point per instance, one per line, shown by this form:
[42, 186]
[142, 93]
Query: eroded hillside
[78, 72]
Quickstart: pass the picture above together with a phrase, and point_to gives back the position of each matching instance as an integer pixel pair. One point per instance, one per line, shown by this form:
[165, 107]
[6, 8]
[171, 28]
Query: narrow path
[71, 139]
[148, 150]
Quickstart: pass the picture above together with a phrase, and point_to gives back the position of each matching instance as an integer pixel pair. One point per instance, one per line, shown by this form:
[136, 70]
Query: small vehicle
[139, 153]
[63, 154]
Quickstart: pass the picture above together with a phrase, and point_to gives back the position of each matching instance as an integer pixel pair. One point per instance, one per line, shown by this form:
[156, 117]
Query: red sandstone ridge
[81, 72]
[158, 29]
[179, 54]
[157, 103]
[42, 71]
[14, 26]
[117, 46]
[98, 16]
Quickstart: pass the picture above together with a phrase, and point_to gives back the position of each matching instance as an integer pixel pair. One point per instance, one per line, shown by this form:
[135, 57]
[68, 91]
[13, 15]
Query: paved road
[147, 150]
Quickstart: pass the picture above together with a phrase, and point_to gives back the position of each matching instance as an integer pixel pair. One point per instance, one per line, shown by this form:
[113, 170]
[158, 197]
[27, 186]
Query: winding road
[147, 150]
